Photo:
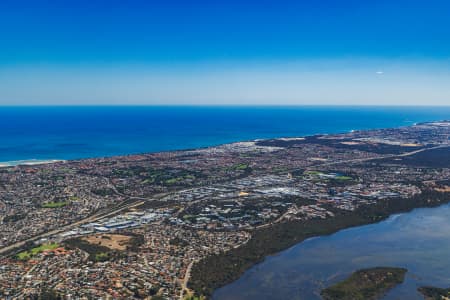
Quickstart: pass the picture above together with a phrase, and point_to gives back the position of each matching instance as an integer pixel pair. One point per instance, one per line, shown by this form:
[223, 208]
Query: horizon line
[222, 105]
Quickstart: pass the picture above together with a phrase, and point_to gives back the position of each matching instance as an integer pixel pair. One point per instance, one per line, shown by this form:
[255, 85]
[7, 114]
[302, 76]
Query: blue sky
[225, 52]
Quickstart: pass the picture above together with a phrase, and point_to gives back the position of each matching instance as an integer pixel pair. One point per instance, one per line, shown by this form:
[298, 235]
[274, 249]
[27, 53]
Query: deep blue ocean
[80, 132]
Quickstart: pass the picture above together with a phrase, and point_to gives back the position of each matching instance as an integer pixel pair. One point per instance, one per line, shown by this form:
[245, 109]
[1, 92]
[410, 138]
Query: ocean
[64, 132]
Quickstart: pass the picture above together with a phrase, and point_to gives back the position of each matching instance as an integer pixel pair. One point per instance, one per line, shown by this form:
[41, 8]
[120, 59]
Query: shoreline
[388, 218]
[254, 138]
[240, 260]
[220, 269]
[33, 161]
[29, 162]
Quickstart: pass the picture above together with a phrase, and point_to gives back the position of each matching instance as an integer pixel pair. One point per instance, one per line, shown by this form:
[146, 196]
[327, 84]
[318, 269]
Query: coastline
[81, 132]
[276, 237]
[236, 262]
[29, 162]
[32, 161]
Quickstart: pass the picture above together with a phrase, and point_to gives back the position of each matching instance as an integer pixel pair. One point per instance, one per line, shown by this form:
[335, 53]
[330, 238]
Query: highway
[137, 201]
[92, 218]
[378, 157]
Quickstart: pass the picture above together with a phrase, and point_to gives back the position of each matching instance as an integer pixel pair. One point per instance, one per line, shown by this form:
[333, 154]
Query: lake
[418, 241]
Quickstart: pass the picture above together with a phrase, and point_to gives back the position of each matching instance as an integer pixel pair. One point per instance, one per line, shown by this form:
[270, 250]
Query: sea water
[45, 133]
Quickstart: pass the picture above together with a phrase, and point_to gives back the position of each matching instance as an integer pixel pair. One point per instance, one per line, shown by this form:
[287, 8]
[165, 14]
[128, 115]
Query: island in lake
[182, 224]
[434, 293]
[366, 284]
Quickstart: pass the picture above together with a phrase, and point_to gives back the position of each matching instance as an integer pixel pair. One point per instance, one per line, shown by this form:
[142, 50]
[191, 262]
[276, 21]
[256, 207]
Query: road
[378, 157]
[89, 219]
[353, 161]
[137, 201]
[187, 275]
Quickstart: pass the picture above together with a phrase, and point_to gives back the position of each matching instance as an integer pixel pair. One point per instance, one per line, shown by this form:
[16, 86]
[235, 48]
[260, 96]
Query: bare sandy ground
[111, 241]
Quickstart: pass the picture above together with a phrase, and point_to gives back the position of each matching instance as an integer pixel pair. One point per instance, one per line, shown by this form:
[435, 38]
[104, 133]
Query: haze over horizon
[225, 53]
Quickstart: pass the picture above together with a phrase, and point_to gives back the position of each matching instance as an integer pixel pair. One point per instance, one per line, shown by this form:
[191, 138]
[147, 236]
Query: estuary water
[45, 133]
[418, 240]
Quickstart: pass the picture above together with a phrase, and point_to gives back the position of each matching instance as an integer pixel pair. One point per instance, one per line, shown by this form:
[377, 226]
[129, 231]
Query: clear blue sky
[225, 52]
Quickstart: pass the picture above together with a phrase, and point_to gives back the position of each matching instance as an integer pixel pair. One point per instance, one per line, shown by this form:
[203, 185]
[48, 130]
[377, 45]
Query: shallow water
[418, 241]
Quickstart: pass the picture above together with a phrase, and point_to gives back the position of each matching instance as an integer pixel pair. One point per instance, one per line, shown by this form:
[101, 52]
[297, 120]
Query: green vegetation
[55, 204]
[192, 297]
[240, 166]
[135, 242]
[237, 167]
[168, 177]
[49, 294]
[434, 158]
[27, 254]
[343, 178]
[338, 144]
[338, 177]
[173, 180]
[179, 242]
[313, 173]
[14, 217]
[279, 170]
[103, 192]
[433, 293]
[101, 253]
[365, 284]
[190, 218]
[102, 256]
[219, 269]
[96, 252]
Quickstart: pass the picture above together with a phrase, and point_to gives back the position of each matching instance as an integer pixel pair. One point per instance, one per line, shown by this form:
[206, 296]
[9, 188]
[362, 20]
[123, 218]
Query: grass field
[343, 177]
[54, 204]
[24, 255]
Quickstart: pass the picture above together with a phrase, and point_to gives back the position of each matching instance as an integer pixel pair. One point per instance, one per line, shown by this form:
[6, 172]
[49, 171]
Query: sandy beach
[31, 162]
